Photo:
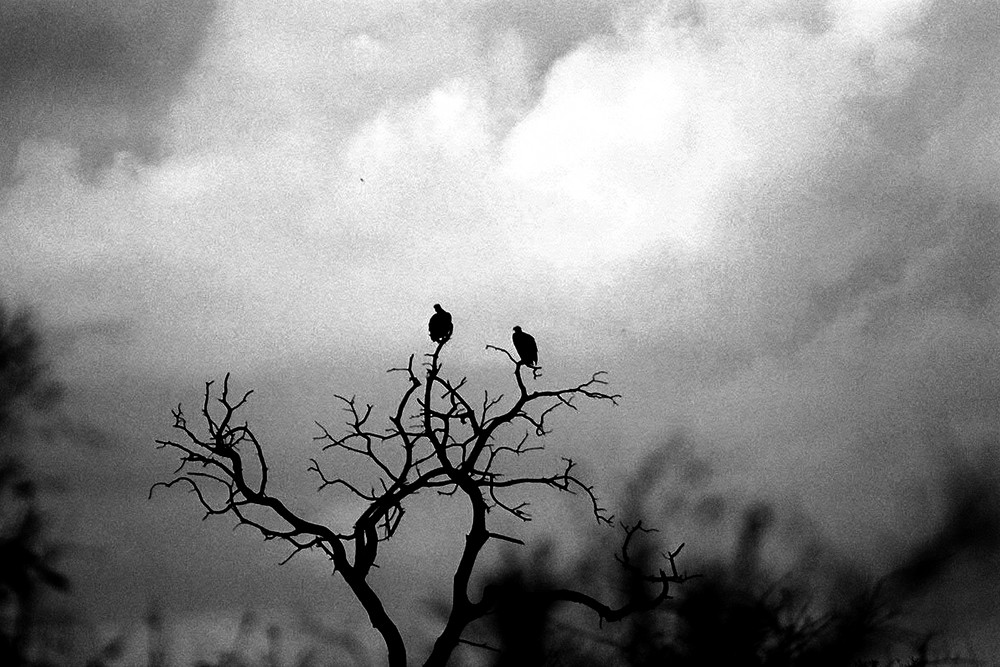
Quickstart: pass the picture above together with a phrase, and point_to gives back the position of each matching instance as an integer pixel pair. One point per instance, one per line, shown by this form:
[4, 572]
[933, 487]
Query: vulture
[526, 348]
[440, 324]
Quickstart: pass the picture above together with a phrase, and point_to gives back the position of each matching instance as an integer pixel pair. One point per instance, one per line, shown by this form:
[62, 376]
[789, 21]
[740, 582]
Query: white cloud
[596, 166]
[769, 220]
[882, 19]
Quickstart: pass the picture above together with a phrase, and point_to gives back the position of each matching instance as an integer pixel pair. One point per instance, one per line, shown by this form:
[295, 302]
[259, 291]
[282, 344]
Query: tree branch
[436, 440]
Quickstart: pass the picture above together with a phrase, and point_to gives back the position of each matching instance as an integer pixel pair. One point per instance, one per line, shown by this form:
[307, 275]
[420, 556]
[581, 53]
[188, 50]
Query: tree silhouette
[438, 439]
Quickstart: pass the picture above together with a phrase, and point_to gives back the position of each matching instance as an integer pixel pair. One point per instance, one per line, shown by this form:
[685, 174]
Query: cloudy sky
[774, 222]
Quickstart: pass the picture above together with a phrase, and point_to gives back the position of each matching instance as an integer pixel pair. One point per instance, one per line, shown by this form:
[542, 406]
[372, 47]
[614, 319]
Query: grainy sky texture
[776, 223]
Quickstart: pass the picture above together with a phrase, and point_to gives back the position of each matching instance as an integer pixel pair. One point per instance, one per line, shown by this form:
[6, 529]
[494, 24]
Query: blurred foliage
[743, 610]
[25, 387]
[728, 616]
[767, 601]
[27, 559]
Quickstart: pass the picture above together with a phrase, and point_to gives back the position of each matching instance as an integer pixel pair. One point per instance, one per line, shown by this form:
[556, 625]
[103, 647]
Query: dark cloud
[97, 76]
[950, 64]
[520, 42]
[948, 267]
[549, 30]
[814, 16]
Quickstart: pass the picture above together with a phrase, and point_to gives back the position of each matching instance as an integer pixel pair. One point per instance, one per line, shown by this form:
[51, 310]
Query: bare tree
[437, 439]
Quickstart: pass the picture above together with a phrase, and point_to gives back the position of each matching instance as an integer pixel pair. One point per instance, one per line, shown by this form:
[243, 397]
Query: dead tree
[437, 439]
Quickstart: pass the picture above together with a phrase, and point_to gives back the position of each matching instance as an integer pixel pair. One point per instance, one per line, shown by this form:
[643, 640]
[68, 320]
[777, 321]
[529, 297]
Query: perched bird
[526, 347]
[440, 325]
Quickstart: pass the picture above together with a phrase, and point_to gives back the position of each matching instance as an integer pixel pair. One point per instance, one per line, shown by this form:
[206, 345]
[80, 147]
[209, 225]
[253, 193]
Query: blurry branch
[662, 579]
[437, 439]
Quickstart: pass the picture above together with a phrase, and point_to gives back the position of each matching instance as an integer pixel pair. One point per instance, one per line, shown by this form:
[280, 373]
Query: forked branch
[435, 439]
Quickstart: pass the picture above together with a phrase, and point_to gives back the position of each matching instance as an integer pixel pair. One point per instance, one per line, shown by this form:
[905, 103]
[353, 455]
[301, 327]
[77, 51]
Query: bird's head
[517, 329]
[437, 307]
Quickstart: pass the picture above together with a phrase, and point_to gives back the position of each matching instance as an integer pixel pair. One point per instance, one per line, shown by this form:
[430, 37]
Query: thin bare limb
[434, 439]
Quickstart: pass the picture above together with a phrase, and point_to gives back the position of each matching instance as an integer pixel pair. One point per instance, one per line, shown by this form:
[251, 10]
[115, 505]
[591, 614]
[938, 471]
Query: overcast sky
[775, 223]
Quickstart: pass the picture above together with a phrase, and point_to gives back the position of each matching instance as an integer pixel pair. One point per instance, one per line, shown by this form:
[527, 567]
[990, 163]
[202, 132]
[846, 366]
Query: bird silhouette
[440, 326]
[526, 348]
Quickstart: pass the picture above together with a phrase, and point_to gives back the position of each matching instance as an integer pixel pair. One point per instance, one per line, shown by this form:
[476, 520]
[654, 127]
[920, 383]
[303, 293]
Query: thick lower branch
[463, 611]
[435, 448]
[380, 620]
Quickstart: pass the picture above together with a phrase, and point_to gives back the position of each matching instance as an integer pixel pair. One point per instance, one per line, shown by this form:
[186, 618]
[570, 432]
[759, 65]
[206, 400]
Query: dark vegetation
[28, 558]
[820, 609]
[442, 438]
[816, 609]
